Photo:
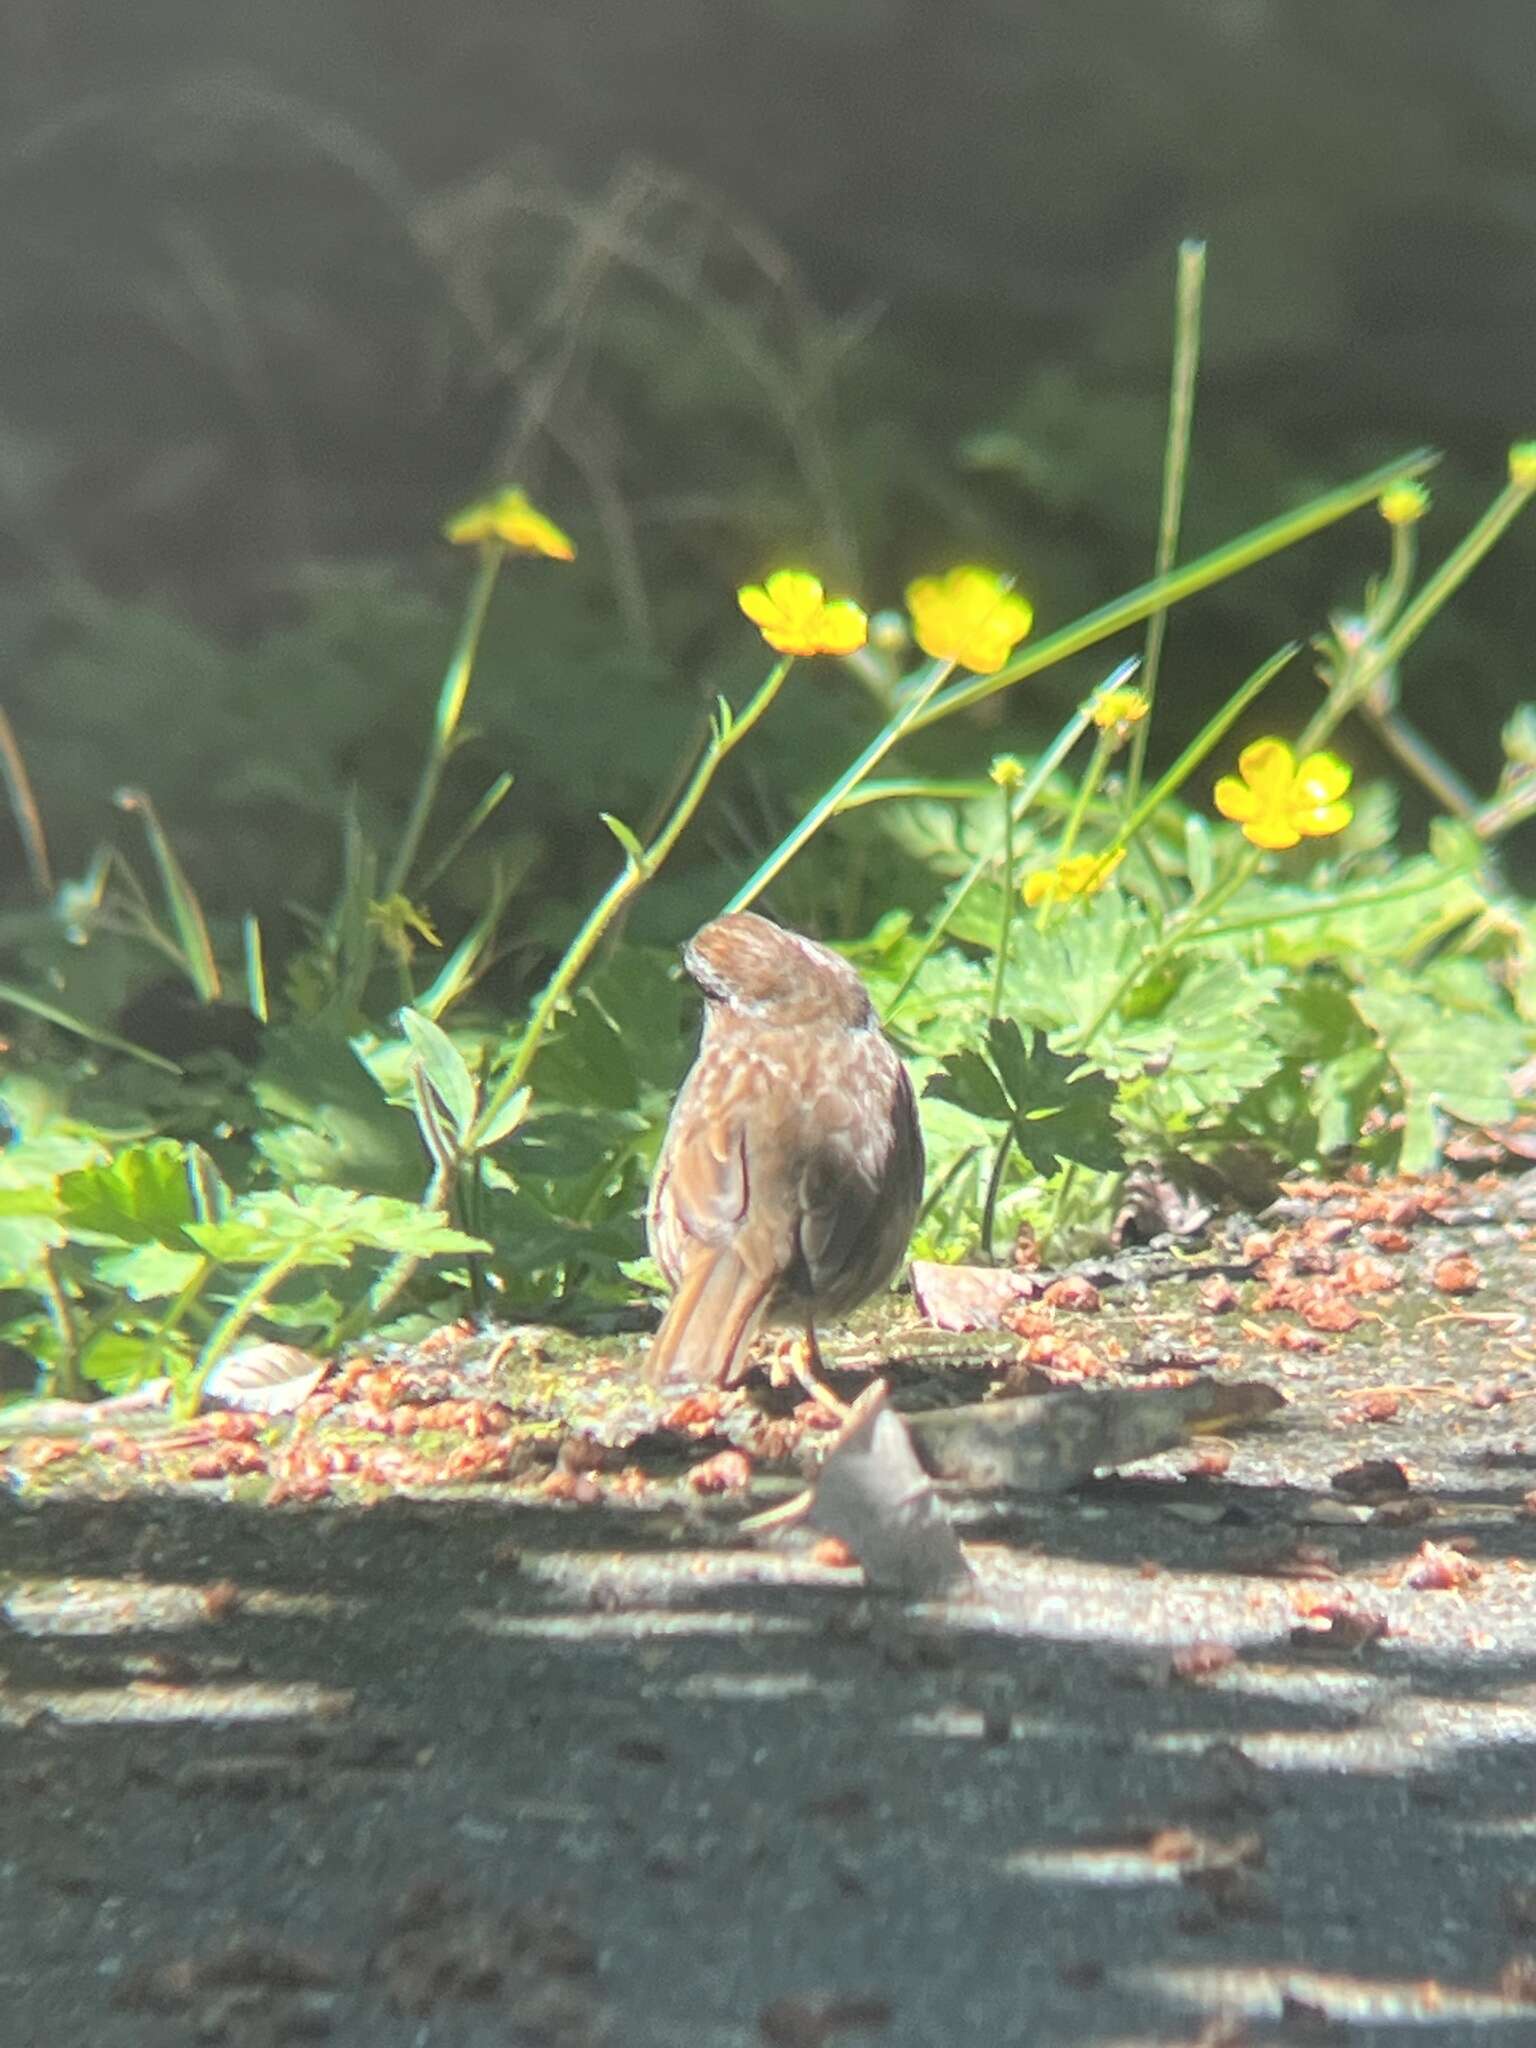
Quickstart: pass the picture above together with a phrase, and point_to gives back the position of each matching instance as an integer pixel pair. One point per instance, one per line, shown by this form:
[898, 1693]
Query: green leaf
[966, 1080]
[325, 1226]
[119, 1360]
[332, 1122]
[150, 1272]
[585, 1061]
[29, 1226]
[1064, 978]
[1061, 1109]
[1451, 1046]
[634, 852]
[316, 1310]
[504, 1122]
[143, 1195]
[561, 1145]
[444, 1067]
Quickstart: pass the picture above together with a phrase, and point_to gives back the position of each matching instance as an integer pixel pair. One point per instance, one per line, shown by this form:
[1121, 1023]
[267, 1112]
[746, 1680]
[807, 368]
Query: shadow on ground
[479, 1773]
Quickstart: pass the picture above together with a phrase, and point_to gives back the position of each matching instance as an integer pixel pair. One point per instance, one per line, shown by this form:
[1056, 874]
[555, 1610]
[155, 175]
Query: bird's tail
[709, 1326]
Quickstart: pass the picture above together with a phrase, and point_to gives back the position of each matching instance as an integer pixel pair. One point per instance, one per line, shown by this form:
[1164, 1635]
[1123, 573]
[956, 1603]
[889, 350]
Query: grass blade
[1164, 591]
[181, 898]
[50, 1013]
[29, 819]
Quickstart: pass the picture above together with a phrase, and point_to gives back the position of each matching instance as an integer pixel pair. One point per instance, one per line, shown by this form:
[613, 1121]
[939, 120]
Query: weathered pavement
[1215, 1755]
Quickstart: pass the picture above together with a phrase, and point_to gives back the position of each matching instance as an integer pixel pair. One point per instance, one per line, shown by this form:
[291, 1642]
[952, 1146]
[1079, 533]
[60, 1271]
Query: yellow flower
[1007, 771]
[508, 516]
[795, 616]
[1119, 708]
[1403, 504]
[1279, 800]
[1081, 874]
[1522, 465]
[969, 616]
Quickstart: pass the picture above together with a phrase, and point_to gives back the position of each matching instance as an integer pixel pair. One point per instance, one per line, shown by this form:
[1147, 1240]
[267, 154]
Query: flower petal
[1235, 800]
[1274, 830]
[1322, 778]
[1268, 767]
[843, 627]
[1323, 819]
[509, 516]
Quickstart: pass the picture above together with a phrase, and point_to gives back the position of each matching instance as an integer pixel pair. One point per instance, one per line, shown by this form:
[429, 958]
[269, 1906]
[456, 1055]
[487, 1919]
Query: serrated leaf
[585, 1061]
[150, 1272]
[29, 1226]
[142, 1195]
[444, 1068]
[1060, 1108]
[966, 1079]
[1066, 978]
[325, 1226]
[316, 1310]
[1451, 1046]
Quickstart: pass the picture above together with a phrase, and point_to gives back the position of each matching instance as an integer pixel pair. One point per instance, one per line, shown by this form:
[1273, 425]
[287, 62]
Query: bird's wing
[848, 1206]
[706, 1181]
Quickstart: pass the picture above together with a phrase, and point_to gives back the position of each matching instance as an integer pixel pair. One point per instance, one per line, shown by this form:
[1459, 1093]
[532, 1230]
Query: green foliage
[259, 1093]
[1056, 1109]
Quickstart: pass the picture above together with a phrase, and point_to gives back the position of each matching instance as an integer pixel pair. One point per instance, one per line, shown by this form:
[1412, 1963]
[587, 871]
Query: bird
[792, 1167]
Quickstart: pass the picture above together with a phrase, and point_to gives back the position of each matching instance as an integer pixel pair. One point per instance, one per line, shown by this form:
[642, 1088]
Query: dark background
[874, 284]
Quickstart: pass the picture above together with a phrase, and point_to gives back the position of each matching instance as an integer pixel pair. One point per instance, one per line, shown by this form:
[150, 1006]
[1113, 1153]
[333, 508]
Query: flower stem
[1087, 790]
[450, 709]
[1040, 775]
[828, 805]
[1005, 915]
[1162, 592]
[1189, 294]
[67, 1380]
[231, 1325]
[1376, 657]
[728, 734]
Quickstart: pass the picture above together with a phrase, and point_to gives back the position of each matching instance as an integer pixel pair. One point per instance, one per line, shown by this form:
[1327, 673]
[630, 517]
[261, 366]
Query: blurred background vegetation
[869, 284]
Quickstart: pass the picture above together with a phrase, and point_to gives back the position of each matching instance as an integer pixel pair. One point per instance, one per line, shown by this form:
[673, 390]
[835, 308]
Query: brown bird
[790, 1177]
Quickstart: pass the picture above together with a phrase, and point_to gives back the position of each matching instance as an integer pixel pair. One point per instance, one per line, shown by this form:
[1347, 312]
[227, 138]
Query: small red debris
[1376, 1404]
[1362, 1274]
[1438, 1569]
[579, 1487]
[728, 1472]
[1321, 1309]
[1334, 1621]
[1216, 1295]
[1210, 1461]
[1459, 1274]
[1289, 1338]
[1387, 1239]
[1074, 1292]
[1202, 1660]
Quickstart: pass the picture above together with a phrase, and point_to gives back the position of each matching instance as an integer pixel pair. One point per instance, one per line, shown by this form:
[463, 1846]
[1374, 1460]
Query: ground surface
[380, 1741]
